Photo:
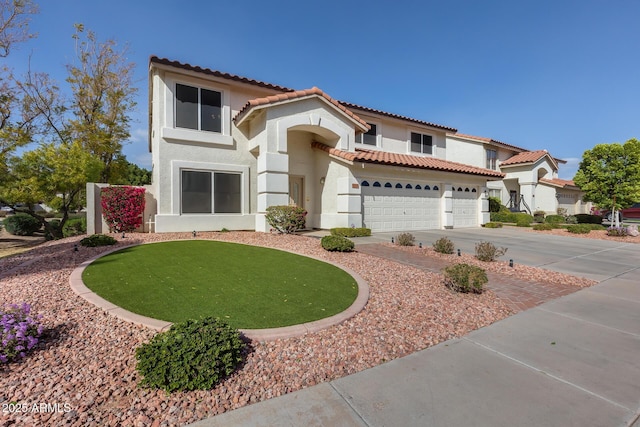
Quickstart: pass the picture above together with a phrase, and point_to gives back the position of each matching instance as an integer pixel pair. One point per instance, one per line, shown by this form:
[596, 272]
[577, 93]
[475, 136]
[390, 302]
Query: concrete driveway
[574, 361]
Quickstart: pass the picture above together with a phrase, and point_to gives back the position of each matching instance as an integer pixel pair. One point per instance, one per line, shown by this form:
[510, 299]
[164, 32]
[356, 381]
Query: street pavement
[573, 361]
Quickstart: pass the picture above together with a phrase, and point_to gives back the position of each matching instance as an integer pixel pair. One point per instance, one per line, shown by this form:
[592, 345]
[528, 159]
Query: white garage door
[465, 207]
[403, 206]
[567, 201]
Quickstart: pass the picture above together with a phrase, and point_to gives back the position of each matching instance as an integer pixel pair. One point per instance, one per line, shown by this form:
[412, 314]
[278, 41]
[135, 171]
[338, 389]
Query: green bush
[579, 228]
[98, 240]
[523, 221]
[494, 204]
[443, 245]
[487, 251]
[554, 219]
[544, 226]
[337, 244]
[588, 219]
[405, 239]
[74, 227]
[55, 223]
[502, 217]
[192, 355]
[21, 224]
[538, 216]
[286, 219]
[465, 278]
[571, 219]
[493, 225]
[351, 232]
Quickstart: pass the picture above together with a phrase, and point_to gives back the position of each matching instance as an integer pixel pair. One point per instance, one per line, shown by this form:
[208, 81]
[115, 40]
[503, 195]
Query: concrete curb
[78, 286]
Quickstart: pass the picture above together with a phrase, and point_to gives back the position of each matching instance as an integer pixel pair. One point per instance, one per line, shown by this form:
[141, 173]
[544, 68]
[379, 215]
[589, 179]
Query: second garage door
[400, 206]
[465, 207]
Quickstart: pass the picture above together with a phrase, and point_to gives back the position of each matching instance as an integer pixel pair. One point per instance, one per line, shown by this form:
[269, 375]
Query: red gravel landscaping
[87, 360]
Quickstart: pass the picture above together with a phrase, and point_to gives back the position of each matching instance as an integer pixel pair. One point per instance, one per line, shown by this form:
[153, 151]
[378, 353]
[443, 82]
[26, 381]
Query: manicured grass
[249, 287]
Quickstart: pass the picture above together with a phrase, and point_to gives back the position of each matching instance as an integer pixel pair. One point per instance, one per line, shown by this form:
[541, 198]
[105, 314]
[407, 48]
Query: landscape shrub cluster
[617, 231]
[510, 217]
[488, 252]
[465, 278]
[337, 244]
[554, 219]
[21, 224]
[444, 246]
[123, 207]
[19, 331]
[493, 225]
[588, 219]
[192, 355]
[74, 227]
[351, 232]
[405, 239]
[579, 228]
[286, 219]
[543, 226]
[98, 240]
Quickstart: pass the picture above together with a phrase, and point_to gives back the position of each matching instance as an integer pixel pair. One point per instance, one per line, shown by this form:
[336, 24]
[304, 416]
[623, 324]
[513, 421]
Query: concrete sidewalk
[574, 361]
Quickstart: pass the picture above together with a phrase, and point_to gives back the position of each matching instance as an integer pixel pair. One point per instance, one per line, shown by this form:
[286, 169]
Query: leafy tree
[136, 175]
[14, 23]
[609, 175]
[80, 137]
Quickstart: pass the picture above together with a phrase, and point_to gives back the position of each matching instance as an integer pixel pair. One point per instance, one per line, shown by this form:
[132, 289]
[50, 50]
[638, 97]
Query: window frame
[212, 179]
[199, 113]
[422, 143]
[360, 138]
[491, 162]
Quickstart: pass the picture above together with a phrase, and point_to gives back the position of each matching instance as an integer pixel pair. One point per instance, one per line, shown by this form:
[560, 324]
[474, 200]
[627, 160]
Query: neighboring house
[225, 148]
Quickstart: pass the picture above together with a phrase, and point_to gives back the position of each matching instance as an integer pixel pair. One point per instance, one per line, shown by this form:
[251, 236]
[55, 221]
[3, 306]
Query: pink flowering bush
[19, 331]
[122, 207]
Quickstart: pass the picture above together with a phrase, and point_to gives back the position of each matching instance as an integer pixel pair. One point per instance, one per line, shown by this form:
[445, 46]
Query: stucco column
[447, 200]
[349, 201]
[273, 185]
[527, 191]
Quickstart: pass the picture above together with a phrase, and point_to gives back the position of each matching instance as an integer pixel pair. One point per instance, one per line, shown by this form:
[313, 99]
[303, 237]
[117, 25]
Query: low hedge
[579, 228]
[544, 226]
[98, 240]
[351, 232]
[337, 244]
[588, 219]
[554, 219]
[510, 217]
[493, 225]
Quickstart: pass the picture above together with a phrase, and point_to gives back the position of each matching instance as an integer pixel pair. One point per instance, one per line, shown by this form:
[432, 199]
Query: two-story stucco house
[226, 147]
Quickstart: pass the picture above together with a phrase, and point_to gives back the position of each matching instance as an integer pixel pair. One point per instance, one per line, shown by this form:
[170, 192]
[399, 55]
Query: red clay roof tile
[559, 182]
[489, 140]
[295, 95]
[396, 116]
[407, 160]
[525, 157]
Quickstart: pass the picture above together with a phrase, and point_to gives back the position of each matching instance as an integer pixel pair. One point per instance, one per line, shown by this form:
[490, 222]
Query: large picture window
[199, 109]
[421, 143]
[207, 192]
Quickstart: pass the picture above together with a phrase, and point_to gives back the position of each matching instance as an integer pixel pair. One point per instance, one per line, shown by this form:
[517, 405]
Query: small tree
[123, 207]
[609, 175]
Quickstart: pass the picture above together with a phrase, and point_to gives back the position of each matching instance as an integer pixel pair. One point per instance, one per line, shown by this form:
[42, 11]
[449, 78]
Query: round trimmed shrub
[444, 246]
[405, 239]
[493, 225]
[554, 219]
[337, 244]
[465, 278]
[191, 355]
[98, 240]
[21, 224]
[543, 226]
[579, 228]
[523, 222]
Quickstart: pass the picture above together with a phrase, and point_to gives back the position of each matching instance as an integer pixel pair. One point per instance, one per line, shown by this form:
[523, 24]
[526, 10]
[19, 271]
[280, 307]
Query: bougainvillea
[19, 331]
[122, 207]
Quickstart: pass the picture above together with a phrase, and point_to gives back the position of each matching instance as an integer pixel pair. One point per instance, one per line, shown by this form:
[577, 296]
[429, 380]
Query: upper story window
[492, 156]
[421, 143]
[369, 138]
[197, 108]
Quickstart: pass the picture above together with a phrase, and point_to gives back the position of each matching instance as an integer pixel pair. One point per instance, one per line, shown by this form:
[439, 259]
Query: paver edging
[77, 285]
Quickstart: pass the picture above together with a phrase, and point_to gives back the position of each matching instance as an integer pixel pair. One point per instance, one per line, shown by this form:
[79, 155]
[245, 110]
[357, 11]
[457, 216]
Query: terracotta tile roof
[489, 140]
[525, 157]
[396, 116]
[407, 160]
[164, 61]
[314, 91]
[559, 182]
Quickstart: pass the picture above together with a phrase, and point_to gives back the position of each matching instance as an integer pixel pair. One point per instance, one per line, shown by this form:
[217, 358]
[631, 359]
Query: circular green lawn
[249, 287]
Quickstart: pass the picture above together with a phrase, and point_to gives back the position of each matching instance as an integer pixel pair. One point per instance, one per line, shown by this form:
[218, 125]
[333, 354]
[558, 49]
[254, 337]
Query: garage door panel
[465, 209]
[410, 210]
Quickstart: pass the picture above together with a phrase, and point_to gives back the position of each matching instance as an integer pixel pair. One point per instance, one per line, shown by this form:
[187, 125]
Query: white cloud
[568, 170]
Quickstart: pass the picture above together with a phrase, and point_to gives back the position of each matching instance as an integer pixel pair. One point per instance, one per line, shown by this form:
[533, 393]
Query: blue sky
[554, 74]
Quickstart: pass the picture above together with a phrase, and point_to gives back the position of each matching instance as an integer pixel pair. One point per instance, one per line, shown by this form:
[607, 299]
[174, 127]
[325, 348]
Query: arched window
[435, 188]
[388, 185]
[466, 190]
[473, 190]
[365, 183]
[459, 188]
[408, 186]
[398, 185]
[376, 184]
[418, 187]
[426, 187]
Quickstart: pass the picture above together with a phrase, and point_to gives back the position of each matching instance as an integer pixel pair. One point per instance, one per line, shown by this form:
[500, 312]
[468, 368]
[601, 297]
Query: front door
[296, 191]
[513, 200]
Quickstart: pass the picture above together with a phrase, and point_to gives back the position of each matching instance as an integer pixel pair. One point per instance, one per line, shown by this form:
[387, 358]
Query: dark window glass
[365, 183]
[196, 192]
[388, 185]
[435, 188]
[418, 187]
[421, 143]
[426, 187]
[376, 184]
[211, 110]
[186, 107]
[227, 193]
[371, 137]
[408, 186]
